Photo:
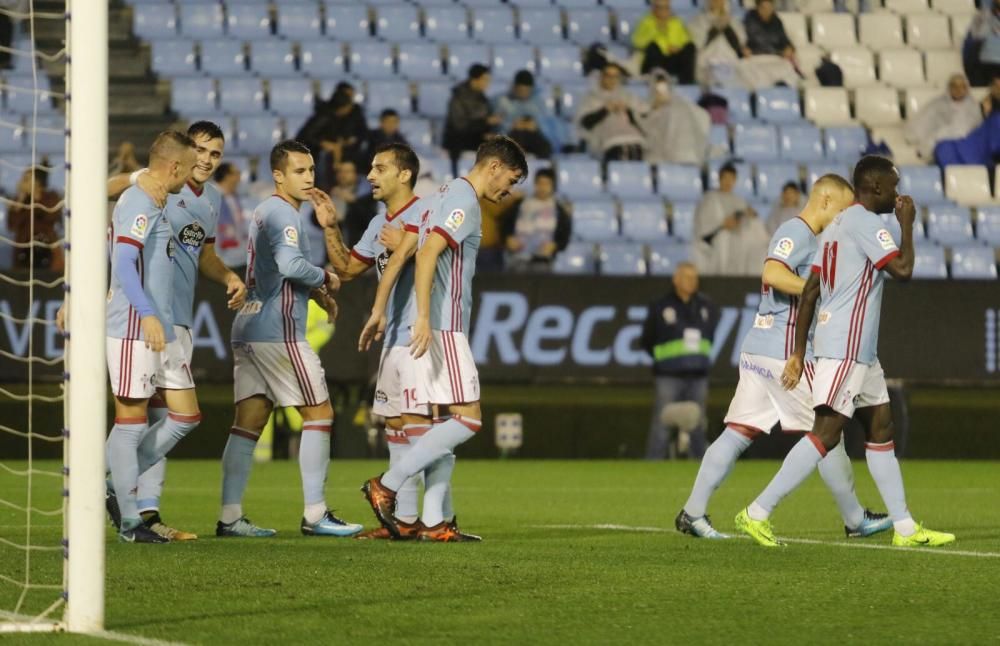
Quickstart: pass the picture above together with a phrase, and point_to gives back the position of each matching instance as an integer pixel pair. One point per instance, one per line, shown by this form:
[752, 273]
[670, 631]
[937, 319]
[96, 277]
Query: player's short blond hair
[832, 181]
[169, 146]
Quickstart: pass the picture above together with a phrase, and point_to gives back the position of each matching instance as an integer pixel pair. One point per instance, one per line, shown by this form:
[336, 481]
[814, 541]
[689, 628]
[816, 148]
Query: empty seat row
[46, 135]
[968, 262]
[873, 106]
[877, 31]
[621, 259]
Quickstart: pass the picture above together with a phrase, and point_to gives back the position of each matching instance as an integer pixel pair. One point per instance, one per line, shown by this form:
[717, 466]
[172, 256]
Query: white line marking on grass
[110, 635]
[798, 541]
[34, 625]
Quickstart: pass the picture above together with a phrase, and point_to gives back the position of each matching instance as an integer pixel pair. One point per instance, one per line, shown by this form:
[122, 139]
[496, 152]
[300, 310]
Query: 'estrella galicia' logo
[192, 236]
[171, 249]
[381, 261]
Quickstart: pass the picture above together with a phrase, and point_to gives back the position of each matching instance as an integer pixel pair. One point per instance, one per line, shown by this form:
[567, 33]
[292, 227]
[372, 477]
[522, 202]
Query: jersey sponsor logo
[192, 236]
[763, 322]
[171, 249]
[455, 220]
[139, 226]
[111, 294]
[885, 239]
[250, 308]
[824, 318]
[750, 366]
[291, 236]
[381, 261]
[784, 248]
[669, 316]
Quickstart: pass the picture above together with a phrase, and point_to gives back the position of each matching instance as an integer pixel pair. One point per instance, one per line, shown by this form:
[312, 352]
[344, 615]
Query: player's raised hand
[390, 237]
[326, 212]
[236, 291]
[152, 331]
[420, 338]
[373, 331]
[906, 211]
[793, 372]
[61, 318]
[156, 189]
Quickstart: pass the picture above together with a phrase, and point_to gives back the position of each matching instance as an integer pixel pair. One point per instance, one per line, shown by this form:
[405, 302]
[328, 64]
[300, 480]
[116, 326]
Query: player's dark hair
[789, 185]
[280, 152]
[477, 70]
[728, 168]
[223, 171]
[388, 112]
[504, 149]
[547, 172]
[167, 143]
[40, 175]
[208, 128]
[405, 159]
[869, 170]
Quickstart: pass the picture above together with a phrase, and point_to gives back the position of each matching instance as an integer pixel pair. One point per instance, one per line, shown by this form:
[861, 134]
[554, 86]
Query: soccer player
[761, 401]
[393, 174]
[848, 271]
[273, 364]
[139, 319]
[192, 214]
[444, 373]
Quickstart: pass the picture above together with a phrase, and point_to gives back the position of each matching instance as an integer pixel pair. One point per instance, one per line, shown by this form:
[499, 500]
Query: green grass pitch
[546, 571]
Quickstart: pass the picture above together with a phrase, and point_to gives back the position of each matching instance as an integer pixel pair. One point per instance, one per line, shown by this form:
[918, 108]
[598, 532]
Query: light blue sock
[888, 477]
[715, 466]
[838, 474]
[151, 481]
[438, 476]
[122, 446]
[799, 463]
[434, 445]
[164, 436]
[408, 495]
[314, 460]
[237, 459]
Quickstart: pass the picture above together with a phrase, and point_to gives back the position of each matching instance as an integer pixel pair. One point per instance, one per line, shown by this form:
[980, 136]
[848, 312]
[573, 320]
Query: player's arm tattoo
[807, 308]
[336, 250]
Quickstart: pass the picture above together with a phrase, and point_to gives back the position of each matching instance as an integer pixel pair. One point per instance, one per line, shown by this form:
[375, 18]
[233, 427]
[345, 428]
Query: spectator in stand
[336, 132]
[355, 209]
[765, 33]
[232, 230]
[527, 119]
[386, 133]
[36, 216]
[471, 118]
[981, 50]
[124, 161]
[663, 41]
[787, 208]
[608, 119]
[716, 24]
[730, 239]
[952, 115]
[538, 228]
[992, 98]
[677, 129]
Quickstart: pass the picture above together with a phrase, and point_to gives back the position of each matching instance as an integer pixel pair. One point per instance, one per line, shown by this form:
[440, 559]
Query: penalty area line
[19, 623]
[794, 541]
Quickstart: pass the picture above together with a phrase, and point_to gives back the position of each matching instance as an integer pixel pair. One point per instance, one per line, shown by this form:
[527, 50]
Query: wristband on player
[134, 177]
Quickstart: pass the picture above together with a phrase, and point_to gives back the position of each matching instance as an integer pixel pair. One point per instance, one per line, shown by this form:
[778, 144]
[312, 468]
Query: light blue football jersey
[192, 216]
[773, 332]
[454, 213]
[278, 277]
[138, 221]
[851, 254]
[399, 312]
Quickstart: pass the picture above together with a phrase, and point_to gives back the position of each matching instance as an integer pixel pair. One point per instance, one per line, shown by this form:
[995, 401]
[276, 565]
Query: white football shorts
[846, 385]
[175, 370]
[132, 368]
[445, 375]
[389, 391]
[761, 402]
[289, 374]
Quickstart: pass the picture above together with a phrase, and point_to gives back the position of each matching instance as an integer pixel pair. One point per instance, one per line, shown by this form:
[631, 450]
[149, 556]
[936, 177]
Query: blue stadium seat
[922, 183]
[988, 225]
[845, 143]
[291, 97]
[420, 61]
[779, 105]
[561, 63]
[322, 58]
[622, 259]
[479, 3]
[801, 143]
[49, 134]
[588, 25]
[273, 58]
[576, 4]
[664, 257]
[973, 262]
[626, 21]
[299, 21]
[770, 179]
[446, 23]
[433, 97]
[11, 170]
[532, 3]
[388, 94]
[817, 170]
[463, 55]
[576, 259]
[718, 142]
[579, 177]
[679, 182]
[347, 22]
[690, 92]
[173, 58]
[241, 96]
[192, 95]
[243, 164]
[891, 224]
[509, 59]
[738, 101]
[541, 26]
[929, 262]
[225, 124]
[644, 220]
[493, 25]
[632, 179]
[370, 60]
[438, 165]
[201, 20]
[949, 225]
[223, 58]
[257, 135]
[249, 21]
[594, 220]
[570, 95]
[22, 90]
[756, 142]
[744, 178]
[682, 220]
[418, 132]
[398, 23]
[155, 21]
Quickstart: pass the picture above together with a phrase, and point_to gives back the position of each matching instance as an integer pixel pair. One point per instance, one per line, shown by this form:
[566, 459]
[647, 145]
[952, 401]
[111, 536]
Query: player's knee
[882, 433]
[321, 411]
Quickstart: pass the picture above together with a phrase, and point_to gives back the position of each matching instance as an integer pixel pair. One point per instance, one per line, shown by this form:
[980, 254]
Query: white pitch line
[800, 541]
[138, 640]
[27, 623]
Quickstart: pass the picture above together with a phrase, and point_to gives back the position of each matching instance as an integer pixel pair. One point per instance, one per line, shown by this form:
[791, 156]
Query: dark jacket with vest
[678, 335]
[466, 124]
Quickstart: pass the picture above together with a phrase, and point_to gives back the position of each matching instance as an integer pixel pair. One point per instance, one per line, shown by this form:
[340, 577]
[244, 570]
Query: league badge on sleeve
[885, 239]
[291, 236]
[139, 226]
[455, 220]
[784, 248]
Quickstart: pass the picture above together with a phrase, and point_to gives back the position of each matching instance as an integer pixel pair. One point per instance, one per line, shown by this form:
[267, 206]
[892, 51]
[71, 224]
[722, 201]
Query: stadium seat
[809, 57]
[49, 136]
[420, 61]
[223, 58]
[906, 6]
[21, 92]
[576, 259]
[682, 220]
[967, 184]
[779, 105]
[201, 20]
[845, 143]
[382, 95]
[370, 60]
[509, 59]
[418, 132]
[941, 64]
[561, 63]
[241, 96]
[755, 142]
[446, 23]
[348, 22]
[917, 97]
[291, 97]
[577, 4]
[857, 64]
[744, 178]
[397, 23]
[626, 21]
[541, 26]
[877, 106]
[493, 25]
[901, 68]
[830, 30]
[622, 259]
[718, 142]
[664, 257]
[738, 101]
[322, 59]
[433, 97]
[532, 3]
[257, 135]
[461, 56]
[249, 21]
[437, 165]
[569, 95]
[626, 4]
[815, 171]
[594, 220]
[960, 24]
[173, 58]
[154, 21]
[801, 143]
[272, 58]
[895, 138]
[579, 177]
[928, 31]
[679, 182]
[949, 225]
[795, 27]
[771, 178]
[589, 25]
[630, 179]
[988, 225]
[192, 95]
[644, 221]
[922, 183]
[880, 31]
[928, 262]
[973, 262]
[827, 106]
[299, 21]
[954, 7]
